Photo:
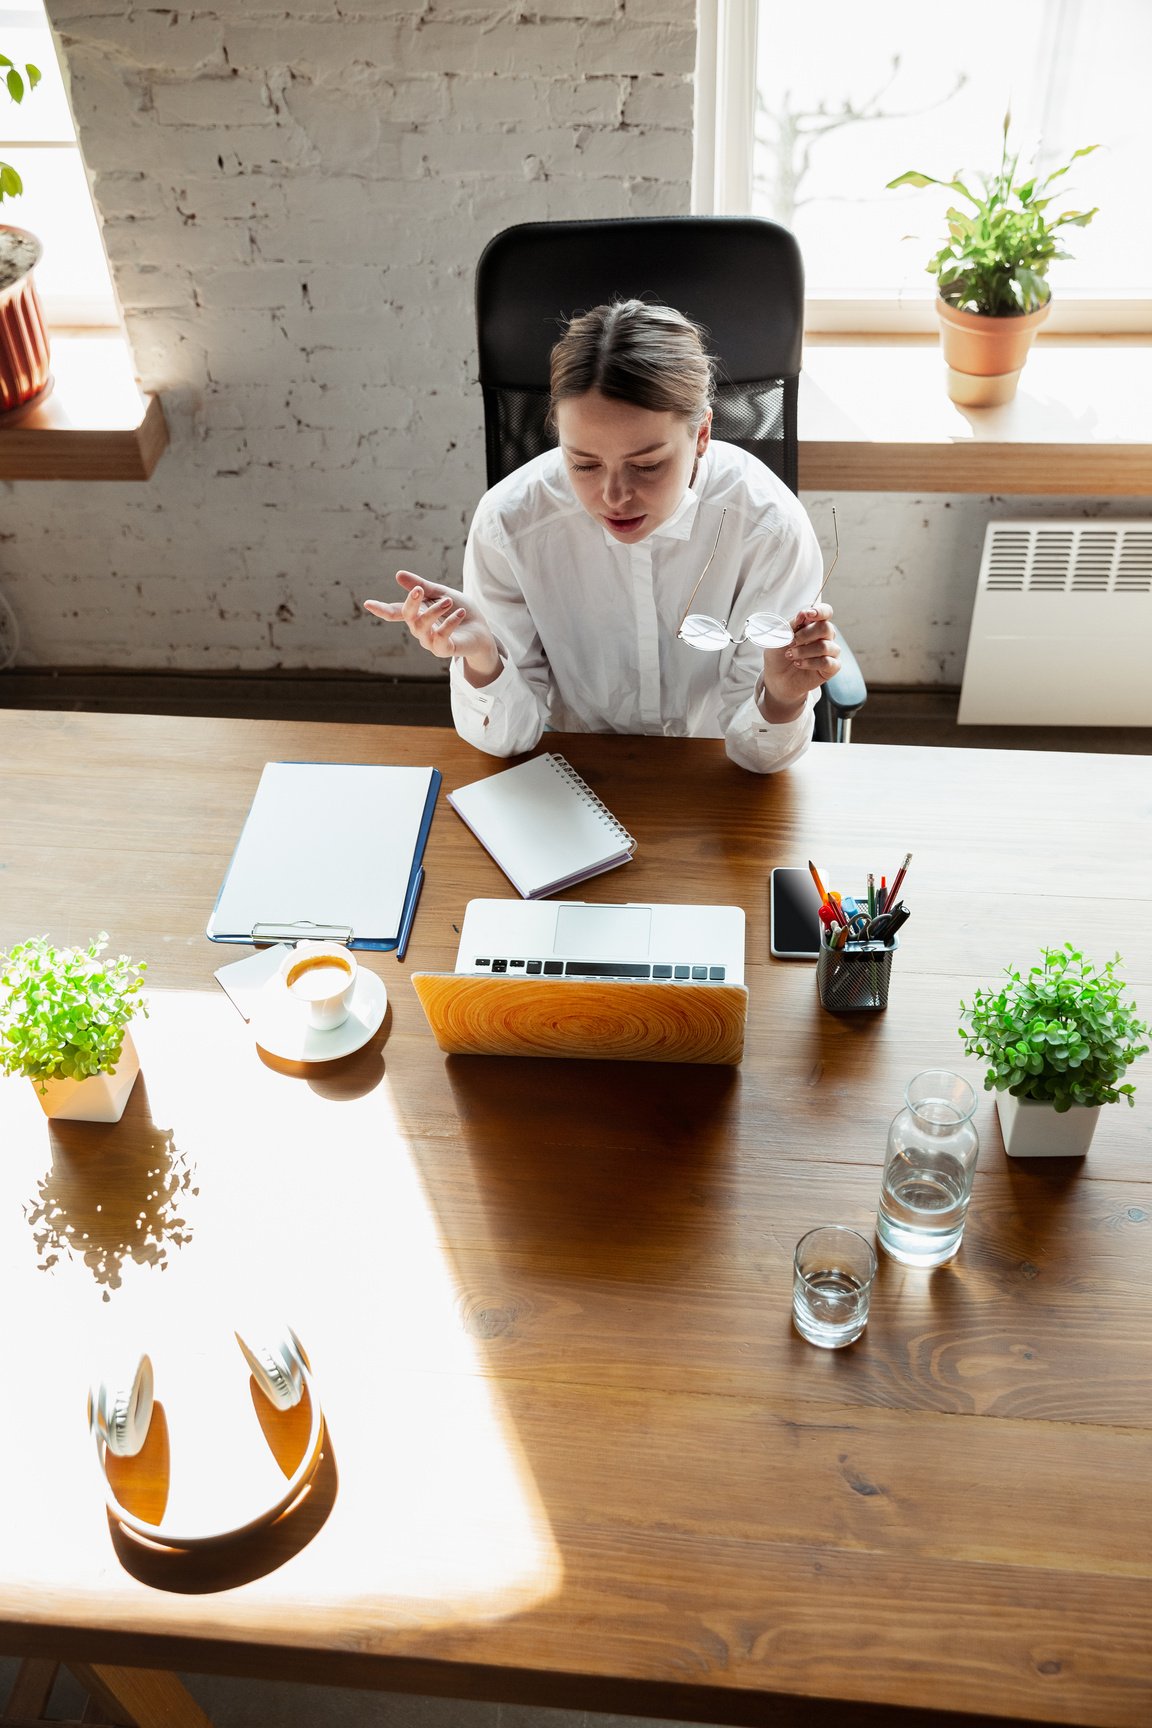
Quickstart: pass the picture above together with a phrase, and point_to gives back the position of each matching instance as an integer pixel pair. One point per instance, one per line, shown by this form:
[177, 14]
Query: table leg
[31, 1691]
[140, 1697]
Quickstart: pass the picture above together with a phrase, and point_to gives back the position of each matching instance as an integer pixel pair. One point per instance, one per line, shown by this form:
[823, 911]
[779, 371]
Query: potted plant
[64, 1015]
[24, 358]
[1057, 1042]
[992, 273]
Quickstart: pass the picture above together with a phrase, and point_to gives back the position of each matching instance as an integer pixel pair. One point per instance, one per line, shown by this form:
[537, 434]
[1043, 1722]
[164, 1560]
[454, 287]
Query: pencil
[895, 888]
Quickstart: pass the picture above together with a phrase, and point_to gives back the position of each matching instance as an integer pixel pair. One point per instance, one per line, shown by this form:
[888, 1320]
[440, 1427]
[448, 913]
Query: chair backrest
[740, 277]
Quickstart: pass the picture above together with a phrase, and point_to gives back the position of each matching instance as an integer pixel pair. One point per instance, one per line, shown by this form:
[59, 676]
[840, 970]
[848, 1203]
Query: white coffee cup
[318, 979]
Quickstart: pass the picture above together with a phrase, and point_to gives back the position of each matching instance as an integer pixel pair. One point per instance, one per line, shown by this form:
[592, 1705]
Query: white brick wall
[294, 196]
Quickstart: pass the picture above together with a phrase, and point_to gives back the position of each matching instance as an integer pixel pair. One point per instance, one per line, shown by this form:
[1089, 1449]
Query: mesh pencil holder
[855, 979]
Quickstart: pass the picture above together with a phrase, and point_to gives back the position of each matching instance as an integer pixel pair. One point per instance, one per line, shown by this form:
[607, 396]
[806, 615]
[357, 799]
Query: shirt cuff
[480, 699]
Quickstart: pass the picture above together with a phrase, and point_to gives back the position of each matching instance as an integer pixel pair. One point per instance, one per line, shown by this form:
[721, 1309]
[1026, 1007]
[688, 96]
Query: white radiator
[1062, 626]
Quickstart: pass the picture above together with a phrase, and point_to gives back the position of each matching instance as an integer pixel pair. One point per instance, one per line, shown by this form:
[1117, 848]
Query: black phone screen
[796, 928]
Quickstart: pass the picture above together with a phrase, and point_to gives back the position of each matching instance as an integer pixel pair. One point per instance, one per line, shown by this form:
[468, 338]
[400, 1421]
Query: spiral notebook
[543, 825]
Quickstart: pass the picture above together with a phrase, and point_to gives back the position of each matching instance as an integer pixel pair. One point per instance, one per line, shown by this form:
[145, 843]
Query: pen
[895, 889]
[871, 895]
[882, 897]
[409, 915]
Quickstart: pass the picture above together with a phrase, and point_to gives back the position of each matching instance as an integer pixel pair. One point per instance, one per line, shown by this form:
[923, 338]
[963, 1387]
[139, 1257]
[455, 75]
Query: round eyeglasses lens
[768, 630]
[707, 634]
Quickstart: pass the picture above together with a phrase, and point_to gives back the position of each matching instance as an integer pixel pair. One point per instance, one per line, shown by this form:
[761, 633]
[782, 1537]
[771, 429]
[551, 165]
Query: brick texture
[293, 197]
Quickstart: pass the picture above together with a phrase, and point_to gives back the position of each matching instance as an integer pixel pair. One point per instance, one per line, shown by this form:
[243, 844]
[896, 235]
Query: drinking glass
[928, 1170]
[832, 1278]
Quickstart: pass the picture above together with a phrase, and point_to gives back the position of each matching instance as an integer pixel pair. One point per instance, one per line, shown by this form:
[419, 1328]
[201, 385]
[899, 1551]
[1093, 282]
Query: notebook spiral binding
[564, 767]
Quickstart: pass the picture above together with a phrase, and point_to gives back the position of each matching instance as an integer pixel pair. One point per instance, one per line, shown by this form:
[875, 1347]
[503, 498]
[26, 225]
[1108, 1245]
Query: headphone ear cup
[276, 1368]
[120, 1409]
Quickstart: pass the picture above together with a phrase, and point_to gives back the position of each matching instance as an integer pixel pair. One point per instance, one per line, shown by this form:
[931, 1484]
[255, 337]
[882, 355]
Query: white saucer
[283, 1032]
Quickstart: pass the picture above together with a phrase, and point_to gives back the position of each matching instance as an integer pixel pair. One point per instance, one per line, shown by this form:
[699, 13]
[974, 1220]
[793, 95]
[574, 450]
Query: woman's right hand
[444, 623]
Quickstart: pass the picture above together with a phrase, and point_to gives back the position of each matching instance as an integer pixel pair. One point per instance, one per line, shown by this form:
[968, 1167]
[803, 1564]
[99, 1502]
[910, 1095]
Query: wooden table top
[576, 1453]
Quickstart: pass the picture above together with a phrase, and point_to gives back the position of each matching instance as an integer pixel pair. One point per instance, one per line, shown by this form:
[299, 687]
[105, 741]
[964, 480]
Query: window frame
[726, 61]
[98, 307]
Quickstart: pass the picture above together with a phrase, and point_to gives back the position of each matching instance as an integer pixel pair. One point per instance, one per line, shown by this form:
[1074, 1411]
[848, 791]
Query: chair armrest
[840, 699]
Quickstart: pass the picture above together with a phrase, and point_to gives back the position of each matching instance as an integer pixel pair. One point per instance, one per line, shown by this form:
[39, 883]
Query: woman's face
[629, 467]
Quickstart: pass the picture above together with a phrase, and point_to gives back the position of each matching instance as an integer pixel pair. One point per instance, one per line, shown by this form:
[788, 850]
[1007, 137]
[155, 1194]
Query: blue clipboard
[329, 851]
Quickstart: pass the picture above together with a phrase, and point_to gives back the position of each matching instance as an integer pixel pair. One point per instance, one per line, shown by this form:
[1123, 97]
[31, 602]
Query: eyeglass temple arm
[705, 570]
[831, 567]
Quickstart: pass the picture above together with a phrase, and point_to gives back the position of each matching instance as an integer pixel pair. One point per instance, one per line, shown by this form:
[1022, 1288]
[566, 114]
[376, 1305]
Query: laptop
[650, 983]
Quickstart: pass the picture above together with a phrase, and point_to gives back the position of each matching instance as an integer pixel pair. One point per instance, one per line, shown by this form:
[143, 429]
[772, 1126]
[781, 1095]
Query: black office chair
[740, 277]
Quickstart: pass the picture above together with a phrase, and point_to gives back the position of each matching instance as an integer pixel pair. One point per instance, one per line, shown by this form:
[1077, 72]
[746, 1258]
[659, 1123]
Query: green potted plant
[1057, 1041]
[24, 356]
[64, 1015]
[992, 271]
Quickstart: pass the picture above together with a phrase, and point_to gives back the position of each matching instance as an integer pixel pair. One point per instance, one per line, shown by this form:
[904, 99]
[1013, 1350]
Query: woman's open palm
[440, 618]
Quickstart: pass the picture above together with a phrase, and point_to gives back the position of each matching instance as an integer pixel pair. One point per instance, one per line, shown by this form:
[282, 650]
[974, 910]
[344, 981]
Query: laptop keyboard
[676, 971]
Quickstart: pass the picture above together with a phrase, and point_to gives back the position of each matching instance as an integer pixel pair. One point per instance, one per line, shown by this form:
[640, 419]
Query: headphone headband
[120, 1411]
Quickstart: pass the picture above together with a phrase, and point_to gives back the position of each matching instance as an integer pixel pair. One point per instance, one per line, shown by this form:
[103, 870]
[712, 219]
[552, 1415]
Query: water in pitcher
[923, 1203]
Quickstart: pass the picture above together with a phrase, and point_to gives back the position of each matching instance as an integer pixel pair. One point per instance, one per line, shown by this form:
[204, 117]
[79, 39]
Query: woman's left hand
[811, 658]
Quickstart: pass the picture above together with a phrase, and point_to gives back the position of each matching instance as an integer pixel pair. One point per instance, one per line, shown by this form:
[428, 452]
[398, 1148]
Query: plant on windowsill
[1057, 1042]
[24, 359]
[992, 272]
[64, 1025]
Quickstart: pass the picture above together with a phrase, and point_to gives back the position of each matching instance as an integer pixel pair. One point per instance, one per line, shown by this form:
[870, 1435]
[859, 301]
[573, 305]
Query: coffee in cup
[319, 978]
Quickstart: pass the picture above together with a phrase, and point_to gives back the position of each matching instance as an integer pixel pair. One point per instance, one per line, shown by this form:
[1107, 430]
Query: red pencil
[891, 900]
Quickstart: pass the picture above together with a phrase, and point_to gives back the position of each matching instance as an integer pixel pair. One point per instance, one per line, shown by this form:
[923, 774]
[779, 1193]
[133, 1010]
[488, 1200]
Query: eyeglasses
[765, 629]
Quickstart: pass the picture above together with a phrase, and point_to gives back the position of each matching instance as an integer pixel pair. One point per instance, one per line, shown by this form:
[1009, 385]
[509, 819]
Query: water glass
[832, 1278]
[928, 1170]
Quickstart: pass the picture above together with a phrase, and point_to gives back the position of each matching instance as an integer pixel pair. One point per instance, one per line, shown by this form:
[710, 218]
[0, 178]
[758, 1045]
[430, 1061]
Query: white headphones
[120, 1412]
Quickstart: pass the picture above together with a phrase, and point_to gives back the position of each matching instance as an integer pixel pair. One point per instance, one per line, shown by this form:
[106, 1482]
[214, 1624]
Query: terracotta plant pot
[984, 356]
[24, 373]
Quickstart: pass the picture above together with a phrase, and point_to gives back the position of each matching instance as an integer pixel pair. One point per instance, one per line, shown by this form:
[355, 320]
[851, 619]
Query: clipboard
[329, 851]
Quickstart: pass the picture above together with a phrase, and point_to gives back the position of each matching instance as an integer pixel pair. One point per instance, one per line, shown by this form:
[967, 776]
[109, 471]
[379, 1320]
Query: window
[814, 112]
[38, 139]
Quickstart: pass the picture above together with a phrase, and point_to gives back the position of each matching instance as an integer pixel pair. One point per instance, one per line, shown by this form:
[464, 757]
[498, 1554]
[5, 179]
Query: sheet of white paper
[243, 980]
[328, 843]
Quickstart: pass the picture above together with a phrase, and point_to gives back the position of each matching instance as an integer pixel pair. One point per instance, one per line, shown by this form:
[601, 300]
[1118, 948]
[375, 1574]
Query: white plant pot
[1033, 1129]
[100, 1098]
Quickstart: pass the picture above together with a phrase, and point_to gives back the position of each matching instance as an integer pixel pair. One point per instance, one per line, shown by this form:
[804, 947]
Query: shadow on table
[114, 1192]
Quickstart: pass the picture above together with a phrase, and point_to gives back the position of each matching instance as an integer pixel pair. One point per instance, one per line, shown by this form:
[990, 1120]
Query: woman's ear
[704, 433]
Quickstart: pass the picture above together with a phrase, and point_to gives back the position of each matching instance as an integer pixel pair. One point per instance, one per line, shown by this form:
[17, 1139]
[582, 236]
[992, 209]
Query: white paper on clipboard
[331, 848]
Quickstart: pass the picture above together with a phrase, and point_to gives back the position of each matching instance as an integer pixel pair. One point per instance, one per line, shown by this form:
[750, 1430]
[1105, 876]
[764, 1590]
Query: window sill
[874, 417]
[94, 424]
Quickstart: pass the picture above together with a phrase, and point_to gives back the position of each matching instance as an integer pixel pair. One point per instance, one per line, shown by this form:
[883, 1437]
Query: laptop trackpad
[603, 932]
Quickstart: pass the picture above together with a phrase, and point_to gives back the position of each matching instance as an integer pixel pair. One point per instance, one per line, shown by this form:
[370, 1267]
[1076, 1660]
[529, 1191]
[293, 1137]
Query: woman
[581, 565]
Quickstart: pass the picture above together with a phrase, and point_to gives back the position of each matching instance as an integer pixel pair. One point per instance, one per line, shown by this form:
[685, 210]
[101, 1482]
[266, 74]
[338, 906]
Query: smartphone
[796, 928]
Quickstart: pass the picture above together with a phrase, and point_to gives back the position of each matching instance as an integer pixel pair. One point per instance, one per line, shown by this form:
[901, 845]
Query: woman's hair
[632, 351]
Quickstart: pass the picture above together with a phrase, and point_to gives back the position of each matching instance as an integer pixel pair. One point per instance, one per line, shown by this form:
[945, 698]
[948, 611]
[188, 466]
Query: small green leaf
[15, 85]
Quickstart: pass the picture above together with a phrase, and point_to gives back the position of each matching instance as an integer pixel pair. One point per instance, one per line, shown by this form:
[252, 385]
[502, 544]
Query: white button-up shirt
[587, 626]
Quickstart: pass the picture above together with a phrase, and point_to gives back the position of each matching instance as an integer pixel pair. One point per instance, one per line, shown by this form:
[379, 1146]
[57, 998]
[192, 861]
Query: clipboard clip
[301, 930]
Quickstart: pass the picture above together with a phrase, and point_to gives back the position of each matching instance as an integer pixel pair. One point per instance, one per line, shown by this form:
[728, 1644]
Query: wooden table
[578, 1456]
